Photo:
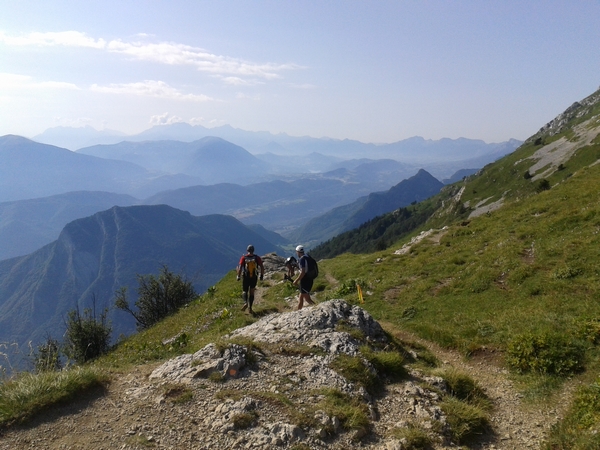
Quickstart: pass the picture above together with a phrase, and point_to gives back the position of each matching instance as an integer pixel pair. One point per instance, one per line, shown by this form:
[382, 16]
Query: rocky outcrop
[575, 111]
[290, 356]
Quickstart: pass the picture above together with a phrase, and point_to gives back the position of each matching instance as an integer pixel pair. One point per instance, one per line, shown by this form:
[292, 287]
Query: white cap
[300, 249]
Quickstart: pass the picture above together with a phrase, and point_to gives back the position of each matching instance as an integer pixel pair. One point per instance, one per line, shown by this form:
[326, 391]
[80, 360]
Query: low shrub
[388, 364]
[462, 386]
[545, 353]
[244, 420]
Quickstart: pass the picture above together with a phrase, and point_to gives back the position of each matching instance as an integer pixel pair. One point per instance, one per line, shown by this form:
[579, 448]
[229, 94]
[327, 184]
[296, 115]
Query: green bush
[353, 414]
[543, 185]
[590, 331]
[158, 297]
[87, 336]
[244, 420]
[462, 386]
[546, 353]
[414, 437]
[388, 364]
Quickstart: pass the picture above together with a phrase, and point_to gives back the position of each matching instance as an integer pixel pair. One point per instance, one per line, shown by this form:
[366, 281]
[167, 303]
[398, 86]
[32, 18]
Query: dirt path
[516, 423]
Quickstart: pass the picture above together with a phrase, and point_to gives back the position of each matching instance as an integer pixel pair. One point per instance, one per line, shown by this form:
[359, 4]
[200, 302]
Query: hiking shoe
[245, 306]
[251, 312]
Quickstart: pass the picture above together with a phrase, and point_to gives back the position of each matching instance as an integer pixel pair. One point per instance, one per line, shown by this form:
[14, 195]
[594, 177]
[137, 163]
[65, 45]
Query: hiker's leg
[300, 301]
[251, 298]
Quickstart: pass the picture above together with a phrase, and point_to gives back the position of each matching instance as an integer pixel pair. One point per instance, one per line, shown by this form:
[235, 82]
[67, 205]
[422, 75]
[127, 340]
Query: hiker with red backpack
[248, 270]
[308, 272]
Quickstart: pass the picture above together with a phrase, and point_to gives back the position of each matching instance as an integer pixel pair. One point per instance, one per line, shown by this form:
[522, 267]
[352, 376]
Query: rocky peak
[575, 111]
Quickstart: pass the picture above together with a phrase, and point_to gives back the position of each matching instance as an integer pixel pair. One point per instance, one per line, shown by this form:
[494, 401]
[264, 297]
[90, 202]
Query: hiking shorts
[249, 283]
[306, 285]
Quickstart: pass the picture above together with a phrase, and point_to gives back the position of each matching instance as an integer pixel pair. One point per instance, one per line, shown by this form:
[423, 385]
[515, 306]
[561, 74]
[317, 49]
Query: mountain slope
[95, 256]
[27, 225]
[347, 217]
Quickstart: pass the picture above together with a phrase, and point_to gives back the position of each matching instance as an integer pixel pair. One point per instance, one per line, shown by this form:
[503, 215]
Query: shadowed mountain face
[95, 256]
[344, 218]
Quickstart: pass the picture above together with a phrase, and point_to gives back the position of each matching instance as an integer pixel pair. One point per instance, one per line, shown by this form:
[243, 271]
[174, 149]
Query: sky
[375, 71]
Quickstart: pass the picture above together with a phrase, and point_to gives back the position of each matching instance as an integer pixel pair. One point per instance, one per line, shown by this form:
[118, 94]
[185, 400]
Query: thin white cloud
[65, 38]
[180, 54]
[237, 81]
[169, 53]
[150, 88]
[302, 86]
[242, 96]
[15, 81]
[165, 119]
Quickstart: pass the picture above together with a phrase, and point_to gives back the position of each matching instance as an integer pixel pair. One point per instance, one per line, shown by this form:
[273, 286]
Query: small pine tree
[87, 336]
[158, 297]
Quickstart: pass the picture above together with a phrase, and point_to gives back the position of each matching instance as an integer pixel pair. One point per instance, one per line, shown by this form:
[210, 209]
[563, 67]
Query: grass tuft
[28, 394]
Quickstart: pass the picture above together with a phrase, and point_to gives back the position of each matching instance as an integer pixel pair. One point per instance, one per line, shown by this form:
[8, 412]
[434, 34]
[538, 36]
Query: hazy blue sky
[376, 71]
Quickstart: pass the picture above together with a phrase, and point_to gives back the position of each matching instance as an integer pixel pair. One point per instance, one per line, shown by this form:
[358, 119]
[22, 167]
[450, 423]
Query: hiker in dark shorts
[305, 282]
[248, 270]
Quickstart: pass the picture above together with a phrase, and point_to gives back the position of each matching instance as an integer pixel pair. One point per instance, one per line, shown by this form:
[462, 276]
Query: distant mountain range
[346, 217]
[27, 225]
[277, 205]
[95, 256]
[173, 173]
[31, 170]
[210, 159]
[440, 157]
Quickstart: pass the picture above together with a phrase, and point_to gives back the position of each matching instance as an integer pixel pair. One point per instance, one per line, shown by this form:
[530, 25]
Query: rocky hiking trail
[272, 400]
